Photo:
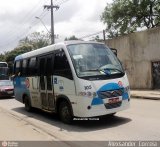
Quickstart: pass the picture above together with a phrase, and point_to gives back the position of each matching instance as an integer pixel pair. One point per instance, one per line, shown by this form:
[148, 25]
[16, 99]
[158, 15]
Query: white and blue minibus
[72, 78]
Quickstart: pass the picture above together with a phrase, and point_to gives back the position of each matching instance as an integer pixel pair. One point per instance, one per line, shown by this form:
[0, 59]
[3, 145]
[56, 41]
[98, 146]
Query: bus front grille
[110, 94]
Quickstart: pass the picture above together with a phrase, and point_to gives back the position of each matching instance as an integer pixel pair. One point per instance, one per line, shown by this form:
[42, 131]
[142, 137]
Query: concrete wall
[137, 51]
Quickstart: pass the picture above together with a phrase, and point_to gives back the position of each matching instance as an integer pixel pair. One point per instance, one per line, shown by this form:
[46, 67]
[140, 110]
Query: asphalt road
[140, 122]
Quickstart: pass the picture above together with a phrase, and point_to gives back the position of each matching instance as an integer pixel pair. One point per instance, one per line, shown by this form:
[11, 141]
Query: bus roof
[3, 64]
[50, 48]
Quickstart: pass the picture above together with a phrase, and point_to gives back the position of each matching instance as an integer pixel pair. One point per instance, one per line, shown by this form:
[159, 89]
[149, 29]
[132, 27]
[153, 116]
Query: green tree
[2, 57]
[71, 38]
[125, 16]
[10, 55]
[96, 38]
[36, 39]
[29, 43]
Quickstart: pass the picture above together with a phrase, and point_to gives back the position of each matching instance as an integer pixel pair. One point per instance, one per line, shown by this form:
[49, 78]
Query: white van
[73, 79]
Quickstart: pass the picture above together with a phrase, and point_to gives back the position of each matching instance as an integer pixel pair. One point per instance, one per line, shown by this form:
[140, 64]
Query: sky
[74, 17]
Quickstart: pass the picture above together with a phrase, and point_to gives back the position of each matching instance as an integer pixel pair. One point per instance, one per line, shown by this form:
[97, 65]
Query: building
[140, 56]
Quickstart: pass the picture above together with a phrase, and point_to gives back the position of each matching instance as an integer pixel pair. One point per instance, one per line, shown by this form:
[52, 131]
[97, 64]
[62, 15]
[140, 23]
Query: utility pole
[52, 19]
[104, 36]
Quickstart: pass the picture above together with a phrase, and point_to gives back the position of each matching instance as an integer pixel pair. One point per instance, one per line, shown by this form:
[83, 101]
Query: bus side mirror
[19, 74]
[12, 77]
[16, 75]
[114, 51]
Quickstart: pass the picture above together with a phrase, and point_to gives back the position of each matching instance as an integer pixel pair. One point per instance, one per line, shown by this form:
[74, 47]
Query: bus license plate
[113, 100]
[10, 92]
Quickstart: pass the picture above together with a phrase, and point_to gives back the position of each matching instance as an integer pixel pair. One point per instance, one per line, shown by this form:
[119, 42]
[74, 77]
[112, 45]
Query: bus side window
[61, 66]
[24, 67]
[42, 67]
[17, 68]
[32, 66]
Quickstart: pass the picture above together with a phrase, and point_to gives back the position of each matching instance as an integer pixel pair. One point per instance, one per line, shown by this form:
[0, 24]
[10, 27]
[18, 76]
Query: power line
[13, 34]
[86, 36]
[13, 37]
[60, 3]
[25, 18]
[23, 33]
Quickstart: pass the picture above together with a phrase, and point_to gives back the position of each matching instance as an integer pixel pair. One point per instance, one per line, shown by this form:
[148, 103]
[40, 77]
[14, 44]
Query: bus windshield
[4, 73]
[3, 64]
[93, 59]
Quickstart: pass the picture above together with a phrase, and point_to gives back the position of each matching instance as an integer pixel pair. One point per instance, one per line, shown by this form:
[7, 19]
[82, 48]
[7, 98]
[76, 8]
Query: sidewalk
[146, 94]
[15, 128]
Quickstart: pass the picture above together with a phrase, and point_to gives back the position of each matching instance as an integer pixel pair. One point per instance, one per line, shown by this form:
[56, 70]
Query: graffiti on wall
[156, 74]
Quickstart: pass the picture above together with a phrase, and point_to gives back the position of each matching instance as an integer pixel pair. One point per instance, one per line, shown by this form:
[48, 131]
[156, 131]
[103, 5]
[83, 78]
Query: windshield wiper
[107, 70]
[92, 70]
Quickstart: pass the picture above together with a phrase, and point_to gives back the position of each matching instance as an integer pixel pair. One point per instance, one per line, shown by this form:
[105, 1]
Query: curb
[30, 122]
[144, 97]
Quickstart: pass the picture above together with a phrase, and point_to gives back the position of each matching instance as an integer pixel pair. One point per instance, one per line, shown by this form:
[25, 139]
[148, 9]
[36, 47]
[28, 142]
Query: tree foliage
[2, 57]
[71, 38]
[31, 42]
[96, 38]
[125, 16]
[10, 56]
[36, 39]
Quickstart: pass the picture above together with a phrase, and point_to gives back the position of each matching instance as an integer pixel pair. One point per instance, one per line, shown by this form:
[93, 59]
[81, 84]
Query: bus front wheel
[65, 112]
[27, 103]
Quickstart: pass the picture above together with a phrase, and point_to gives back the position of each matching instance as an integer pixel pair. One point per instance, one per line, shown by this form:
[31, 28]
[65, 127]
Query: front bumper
[102, 109]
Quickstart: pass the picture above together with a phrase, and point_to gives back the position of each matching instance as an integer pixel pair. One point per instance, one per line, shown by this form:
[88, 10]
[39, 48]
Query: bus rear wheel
[65, 112]
[27, 104]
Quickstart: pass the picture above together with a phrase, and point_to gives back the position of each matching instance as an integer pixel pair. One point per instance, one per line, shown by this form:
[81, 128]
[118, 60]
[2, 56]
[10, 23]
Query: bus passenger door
[46, 88]
[49, 83]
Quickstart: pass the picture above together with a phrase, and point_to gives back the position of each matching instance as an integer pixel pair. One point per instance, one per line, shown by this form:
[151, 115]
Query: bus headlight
[2, 90]
[126, 89]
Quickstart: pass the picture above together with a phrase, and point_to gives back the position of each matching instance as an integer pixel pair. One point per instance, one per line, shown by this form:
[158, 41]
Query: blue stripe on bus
[97, 101]
[108, 87]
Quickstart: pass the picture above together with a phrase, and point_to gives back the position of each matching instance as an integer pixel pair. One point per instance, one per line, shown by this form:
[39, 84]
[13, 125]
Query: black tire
[65, 112]
[27, 104]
